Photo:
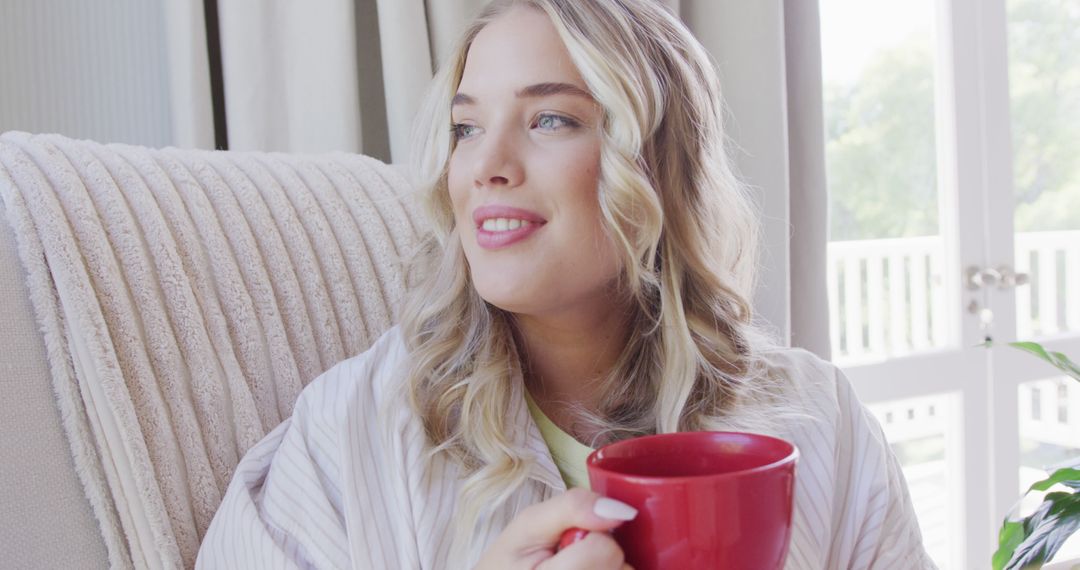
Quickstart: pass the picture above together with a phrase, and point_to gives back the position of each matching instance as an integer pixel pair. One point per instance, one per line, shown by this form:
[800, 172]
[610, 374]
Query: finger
[598, 550]
[543, 523]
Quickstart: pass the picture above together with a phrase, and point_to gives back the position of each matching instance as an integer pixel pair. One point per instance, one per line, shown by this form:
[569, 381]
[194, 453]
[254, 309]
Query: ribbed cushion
[181, 300]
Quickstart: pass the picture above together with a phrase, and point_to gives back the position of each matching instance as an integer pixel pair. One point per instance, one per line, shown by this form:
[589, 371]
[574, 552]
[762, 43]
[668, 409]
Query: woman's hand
[528, 542]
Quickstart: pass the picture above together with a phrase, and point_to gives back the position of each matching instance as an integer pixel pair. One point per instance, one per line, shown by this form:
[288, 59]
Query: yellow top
[569, 454]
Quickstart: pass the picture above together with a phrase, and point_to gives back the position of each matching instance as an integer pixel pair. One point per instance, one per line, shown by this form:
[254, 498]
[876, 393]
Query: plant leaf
[1055, 521]
[1012, 535]
[1035, 519]
[1065, 365]
[1014, 532]
[1055, 359]
[1034, 348]
[1069, 476]
[1071, 368]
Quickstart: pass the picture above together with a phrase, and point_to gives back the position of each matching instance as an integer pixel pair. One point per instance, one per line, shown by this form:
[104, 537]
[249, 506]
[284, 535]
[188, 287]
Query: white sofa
[46, 518]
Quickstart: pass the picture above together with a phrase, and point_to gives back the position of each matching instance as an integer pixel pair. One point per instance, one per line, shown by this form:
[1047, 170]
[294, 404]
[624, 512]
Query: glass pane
[1044, 90]
[925, 435]
[885, 250]
[1049, 424]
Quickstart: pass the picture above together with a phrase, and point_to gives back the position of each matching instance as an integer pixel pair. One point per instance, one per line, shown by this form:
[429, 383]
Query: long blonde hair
[683, 226]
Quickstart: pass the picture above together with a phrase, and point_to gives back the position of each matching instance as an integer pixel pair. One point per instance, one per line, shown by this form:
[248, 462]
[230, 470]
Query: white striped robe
[343, 482]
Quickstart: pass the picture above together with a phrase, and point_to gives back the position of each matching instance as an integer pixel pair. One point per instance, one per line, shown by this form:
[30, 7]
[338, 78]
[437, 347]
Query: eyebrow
[536, 90]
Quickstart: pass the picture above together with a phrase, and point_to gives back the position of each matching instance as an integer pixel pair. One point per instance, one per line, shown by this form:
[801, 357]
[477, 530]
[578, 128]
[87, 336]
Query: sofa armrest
[45, 518]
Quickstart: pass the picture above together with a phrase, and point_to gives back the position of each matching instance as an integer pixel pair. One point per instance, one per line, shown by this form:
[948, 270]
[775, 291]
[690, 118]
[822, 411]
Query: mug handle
[570, 536]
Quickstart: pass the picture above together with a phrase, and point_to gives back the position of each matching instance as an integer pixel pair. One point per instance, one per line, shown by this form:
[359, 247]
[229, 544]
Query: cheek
[581, 182]
[575, 168]
[582, 178]
[457, 186]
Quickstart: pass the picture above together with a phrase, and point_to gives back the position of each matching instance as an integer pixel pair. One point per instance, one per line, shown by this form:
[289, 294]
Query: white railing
[1051, 303]
[887, 297]
[1050, 411]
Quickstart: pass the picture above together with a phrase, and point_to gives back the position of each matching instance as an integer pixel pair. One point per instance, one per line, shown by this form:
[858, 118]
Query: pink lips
[496, 240]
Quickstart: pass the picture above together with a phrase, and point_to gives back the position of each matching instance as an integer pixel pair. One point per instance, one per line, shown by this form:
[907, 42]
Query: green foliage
[1044, 71]
[880, 155]
[1033, 540]
[880, 131]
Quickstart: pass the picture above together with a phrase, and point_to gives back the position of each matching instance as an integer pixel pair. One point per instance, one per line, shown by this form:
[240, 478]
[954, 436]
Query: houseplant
[1031, 541]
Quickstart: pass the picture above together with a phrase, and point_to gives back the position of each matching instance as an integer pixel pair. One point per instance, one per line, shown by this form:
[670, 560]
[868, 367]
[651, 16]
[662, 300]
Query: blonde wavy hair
[685, 231]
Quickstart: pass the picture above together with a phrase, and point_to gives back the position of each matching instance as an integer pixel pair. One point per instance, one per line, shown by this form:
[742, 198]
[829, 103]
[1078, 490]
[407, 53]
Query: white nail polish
[614, 510]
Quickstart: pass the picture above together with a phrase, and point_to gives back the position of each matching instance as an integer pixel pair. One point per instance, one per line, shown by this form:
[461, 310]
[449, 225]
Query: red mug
[710, 500]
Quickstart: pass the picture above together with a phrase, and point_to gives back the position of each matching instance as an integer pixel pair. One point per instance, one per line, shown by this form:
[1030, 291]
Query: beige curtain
[415, 37]
[769, 56]
[331, 75]
[349, 74]
[291, 75]
[192, 115]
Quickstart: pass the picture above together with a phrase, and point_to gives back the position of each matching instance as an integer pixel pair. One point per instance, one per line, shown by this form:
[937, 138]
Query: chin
[508, 303]
[505, 296]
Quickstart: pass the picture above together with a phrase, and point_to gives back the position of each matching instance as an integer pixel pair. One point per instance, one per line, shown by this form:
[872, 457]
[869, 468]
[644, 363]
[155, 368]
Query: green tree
[880, 154]
[880, 131]
[1044, 83]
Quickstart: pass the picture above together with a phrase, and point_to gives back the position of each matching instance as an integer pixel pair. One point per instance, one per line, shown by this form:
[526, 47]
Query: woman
[586, 280]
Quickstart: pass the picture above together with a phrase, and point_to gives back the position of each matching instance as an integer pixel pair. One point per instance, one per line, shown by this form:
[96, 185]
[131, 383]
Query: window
[884, 255]
[921, 98]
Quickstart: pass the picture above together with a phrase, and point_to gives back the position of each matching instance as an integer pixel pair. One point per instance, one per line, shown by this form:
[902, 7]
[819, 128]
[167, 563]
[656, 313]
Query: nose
[498, 161]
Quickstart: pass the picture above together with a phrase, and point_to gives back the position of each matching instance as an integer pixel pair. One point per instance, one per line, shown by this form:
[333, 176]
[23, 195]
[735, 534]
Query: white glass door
[941, 207]
[1040, 212]
[905, 202]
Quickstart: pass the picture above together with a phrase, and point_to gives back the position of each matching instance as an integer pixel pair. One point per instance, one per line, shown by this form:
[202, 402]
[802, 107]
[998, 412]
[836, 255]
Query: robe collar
[528, 436]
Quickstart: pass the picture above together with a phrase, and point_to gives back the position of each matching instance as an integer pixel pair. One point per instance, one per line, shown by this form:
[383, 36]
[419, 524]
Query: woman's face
[523, 175]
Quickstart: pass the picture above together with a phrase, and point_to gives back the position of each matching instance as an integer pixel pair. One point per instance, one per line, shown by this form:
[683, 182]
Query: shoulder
[812, 401]
[799, 365]
[302, 492]
[805, 380]
[362, 397]
[366, 380]
[852, 505]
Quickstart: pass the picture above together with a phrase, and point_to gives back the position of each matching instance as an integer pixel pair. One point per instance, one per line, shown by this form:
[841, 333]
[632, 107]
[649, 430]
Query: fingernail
[614, 510]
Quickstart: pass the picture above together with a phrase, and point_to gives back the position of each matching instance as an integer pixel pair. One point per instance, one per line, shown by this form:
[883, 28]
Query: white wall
[85, 69]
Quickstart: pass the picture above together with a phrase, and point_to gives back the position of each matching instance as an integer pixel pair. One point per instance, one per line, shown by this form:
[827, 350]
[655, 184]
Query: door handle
[1010, 278]
[1002, 277]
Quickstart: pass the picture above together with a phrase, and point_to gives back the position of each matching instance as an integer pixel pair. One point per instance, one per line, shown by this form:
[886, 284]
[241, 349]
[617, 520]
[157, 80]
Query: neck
[567, 357]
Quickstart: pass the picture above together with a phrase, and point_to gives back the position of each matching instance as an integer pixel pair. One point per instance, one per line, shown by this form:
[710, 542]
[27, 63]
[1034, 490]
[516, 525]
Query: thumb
[542, 524]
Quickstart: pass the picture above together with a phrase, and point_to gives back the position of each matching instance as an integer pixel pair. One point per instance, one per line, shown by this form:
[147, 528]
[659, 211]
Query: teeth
[503, 224]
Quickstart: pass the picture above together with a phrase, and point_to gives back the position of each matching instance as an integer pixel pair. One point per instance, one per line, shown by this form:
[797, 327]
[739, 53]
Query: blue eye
[552, 122]
[461, 131]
